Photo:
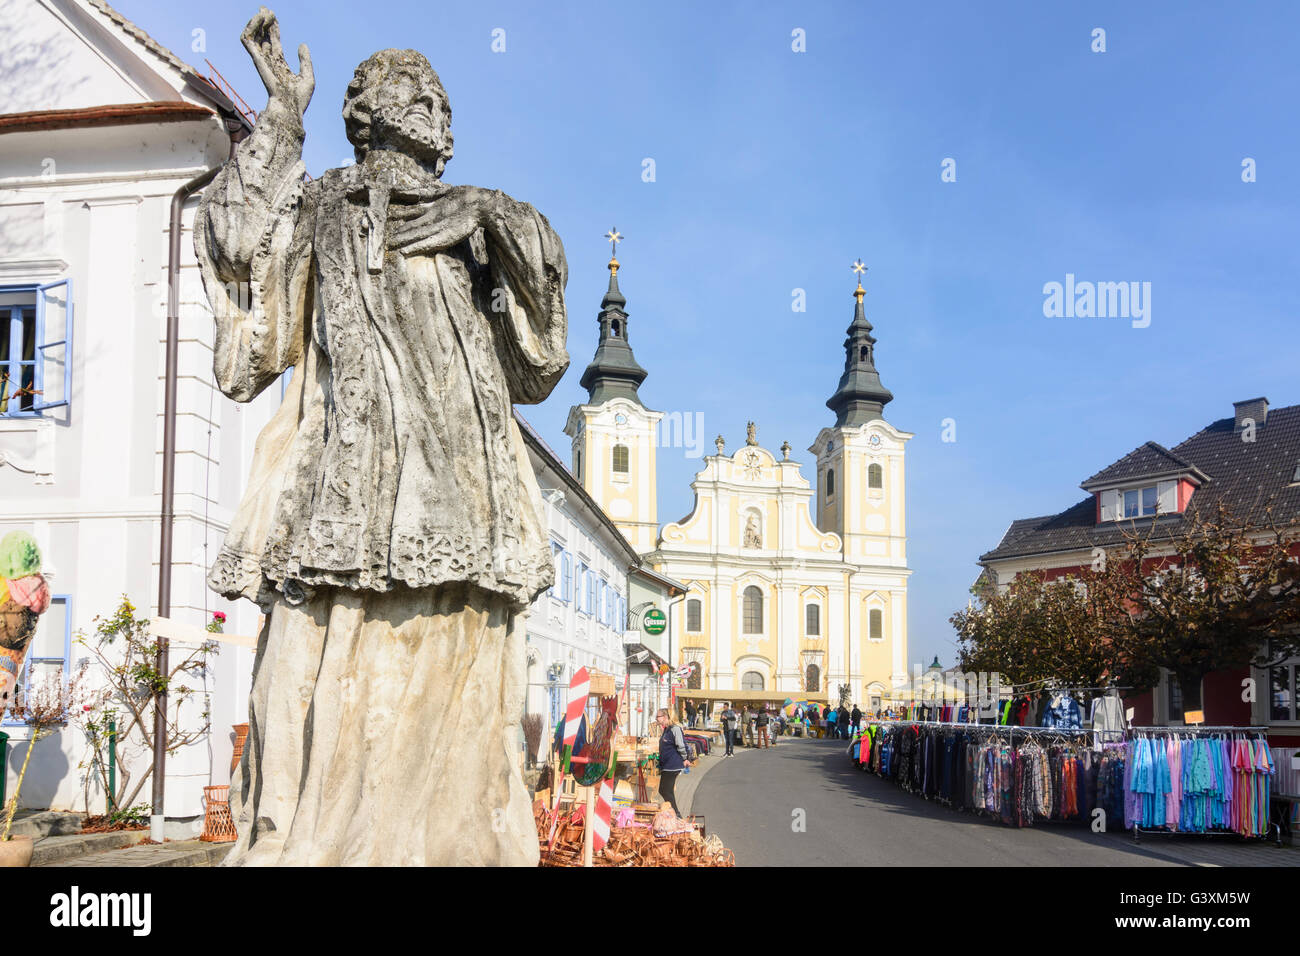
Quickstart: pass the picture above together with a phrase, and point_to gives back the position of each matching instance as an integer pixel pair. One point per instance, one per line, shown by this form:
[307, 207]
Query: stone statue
[785, 451]
[752, 539]
[390, 528]
[720, 443]
[751, 434]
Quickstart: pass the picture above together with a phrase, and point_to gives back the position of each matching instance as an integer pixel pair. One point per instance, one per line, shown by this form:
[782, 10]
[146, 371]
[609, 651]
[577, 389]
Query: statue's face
[408, 116]
[395, 102]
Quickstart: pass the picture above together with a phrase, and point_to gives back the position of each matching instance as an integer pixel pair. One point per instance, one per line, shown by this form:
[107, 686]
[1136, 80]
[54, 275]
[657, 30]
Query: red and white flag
[604, 809]
[577, 704]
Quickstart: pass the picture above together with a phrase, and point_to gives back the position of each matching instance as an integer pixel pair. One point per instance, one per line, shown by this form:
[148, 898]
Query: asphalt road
[756, 800]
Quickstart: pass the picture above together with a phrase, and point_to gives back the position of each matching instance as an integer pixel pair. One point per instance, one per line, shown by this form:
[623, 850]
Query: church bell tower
[614, 435]
[860, 458]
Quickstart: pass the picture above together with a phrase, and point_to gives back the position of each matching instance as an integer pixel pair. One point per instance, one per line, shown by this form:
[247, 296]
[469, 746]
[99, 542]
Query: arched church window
[693, 682]
[693, 615]
[876, 624]
[753, 616]
[752, 680]
[875, 477]
[813, 678]
[830, 482]
[620, 459]
[813, 620]
[613, 328]
[863, 353]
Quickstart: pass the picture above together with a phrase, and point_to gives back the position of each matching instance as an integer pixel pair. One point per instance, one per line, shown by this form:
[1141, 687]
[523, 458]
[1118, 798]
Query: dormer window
[1140, 502]
[1143, 501]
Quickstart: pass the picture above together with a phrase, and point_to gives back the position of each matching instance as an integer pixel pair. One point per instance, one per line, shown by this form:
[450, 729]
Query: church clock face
[620, 419]
[875, 441]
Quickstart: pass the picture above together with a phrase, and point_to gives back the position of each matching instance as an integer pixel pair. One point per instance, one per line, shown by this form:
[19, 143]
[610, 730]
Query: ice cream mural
[24, 597]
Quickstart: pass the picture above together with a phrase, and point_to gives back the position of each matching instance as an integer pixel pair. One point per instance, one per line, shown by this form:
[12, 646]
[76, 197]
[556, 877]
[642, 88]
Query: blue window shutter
[42, 401]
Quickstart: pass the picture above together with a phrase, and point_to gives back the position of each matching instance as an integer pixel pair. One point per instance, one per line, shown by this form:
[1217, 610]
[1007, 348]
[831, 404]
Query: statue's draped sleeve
[529, 273]
[252, 238]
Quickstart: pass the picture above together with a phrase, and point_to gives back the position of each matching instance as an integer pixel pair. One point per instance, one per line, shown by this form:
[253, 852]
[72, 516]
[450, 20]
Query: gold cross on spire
[859, 268]
[614, 239]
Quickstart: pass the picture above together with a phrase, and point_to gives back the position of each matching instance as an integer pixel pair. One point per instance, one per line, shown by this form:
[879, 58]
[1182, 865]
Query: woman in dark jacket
[673, 757]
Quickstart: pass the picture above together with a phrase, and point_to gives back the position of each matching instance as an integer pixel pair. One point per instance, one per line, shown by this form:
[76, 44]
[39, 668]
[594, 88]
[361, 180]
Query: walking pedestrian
[843, 722]
[729, 718]
[673, 756]
[690, 714]
[855, 719]
[762, 721]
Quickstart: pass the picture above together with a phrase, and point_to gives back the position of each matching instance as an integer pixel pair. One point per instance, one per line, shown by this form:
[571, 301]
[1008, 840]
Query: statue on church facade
[389, 529]
[751, 434]
[752, 537]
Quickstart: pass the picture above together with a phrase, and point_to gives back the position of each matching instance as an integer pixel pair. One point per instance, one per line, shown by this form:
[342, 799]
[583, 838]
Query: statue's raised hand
[261, 39]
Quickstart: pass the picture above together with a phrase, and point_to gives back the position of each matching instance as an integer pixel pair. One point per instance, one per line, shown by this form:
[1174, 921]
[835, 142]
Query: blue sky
[776, 169]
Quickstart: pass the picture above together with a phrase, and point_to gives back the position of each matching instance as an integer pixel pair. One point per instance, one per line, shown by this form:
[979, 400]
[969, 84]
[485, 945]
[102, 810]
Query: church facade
[797, 583]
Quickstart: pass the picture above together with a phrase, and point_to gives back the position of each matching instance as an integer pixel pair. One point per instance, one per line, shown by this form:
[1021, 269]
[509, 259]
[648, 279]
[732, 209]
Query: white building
[584, 620]
[102, 126]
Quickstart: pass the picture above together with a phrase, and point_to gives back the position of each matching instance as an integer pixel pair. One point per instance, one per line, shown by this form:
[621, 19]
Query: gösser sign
[654, 622]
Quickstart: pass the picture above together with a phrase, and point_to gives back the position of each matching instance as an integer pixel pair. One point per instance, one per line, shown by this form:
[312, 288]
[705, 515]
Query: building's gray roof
[1243, 476]
[193, 78]
[149, 43]
[1151, 460]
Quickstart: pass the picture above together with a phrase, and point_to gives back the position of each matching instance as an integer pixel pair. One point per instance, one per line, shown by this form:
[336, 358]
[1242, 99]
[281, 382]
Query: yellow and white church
[793, 590]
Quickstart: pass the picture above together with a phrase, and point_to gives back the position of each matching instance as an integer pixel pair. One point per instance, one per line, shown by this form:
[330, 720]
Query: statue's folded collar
[375, 187]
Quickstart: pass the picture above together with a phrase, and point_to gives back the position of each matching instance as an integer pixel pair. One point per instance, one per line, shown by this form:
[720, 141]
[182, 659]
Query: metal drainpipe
[112, 767]
[169, 475]
[668, 613]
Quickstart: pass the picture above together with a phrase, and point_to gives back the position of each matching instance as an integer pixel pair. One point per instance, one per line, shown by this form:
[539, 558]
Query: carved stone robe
[394, 458]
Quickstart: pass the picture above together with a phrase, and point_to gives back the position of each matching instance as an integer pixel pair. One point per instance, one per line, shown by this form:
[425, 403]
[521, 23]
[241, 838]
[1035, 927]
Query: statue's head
[396, 101]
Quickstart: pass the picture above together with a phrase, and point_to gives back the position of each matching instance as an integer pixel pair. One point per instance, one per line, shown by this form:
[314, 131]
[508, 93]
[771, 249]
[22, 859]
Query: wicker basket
[218, 825]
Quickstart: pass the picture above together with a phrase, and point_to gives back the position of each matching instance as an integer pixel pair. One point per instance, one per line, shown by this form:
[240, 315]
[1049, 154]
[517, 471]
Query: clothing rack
[1273, 826]
[934, 783]
[993, 728]
[1197, 728]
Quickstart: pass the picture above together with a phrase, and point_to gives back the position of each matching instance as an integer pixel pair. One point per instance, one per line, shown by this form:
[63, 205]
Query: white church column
[787, 640]
[840, 626]
[898, 634]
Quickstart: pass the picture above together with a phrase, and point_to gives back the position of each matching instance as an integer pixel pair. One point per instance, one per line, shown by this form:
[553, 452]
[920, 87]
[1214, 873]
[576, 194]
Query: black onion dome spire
[613, 372]
[860, 397]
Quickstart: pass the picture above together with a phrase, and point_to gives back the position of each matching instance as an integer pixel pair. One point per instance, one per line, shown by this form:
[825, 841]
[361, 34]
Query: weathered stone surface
[390, 523]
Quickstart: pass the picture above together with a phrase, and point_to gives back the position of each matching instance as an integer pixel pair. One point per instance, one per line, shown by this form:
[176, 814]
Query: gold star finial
[614, 239]
[859, 268]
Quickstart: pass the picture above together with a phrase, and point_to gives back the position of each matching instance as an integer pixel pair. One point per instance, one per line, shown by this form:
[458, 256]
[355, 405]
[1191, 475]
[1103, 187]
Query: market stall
[1202, 780]
[598, 805]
